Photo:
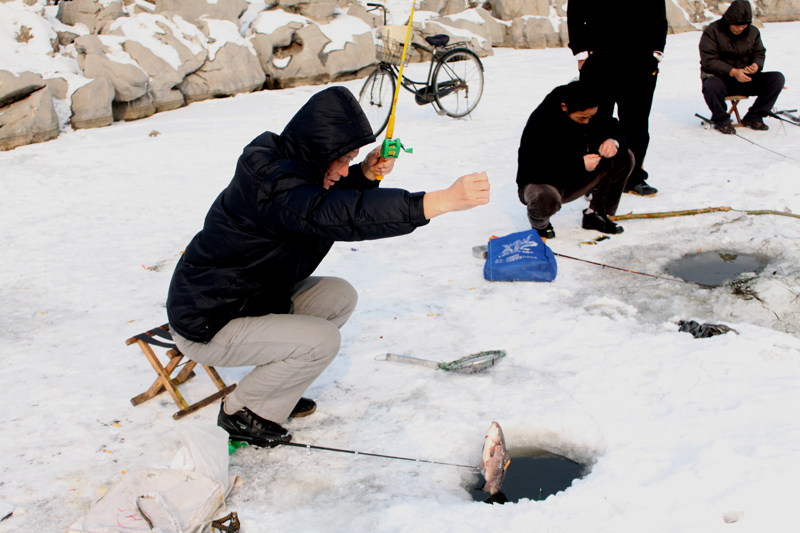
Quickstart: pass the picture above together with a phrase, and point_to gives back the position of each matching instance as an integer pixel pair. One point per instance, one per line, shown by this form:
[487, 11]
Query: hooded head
[328, 126]
[739, 13]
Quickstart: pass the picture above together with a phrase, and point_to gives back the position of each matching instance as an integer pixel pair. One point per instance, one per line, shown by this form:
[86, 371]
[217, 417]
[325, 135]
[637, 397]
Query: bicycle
[454, 84]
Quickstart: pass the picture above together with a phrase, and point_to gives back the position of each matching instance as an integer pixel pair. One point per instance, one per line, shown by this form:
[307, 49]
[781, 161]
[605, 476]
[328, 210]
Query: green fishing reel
[392, 147]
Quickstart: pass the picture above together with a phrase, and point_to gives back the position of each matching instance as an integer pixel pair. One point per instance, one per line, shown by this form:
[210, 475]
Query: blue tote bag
[519, 257]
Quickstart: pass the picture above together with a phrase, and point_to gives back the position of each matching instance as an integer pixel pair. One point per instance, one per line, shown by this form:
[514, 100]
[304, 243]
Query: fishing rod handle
[412, 360]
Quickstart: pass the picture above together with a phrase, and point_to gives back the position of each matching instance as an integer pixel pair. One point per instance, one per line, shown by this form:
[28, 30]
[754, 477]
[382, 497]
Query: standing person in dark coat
[732, 63]
[618, 46]
[568, 149]
[243, 293]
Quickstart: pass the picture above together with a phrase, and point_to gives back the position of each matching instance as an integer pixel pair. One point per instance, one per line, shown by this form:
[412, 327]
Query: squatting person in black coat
[618, 46]
[732, 63]
[243, 293]
[568, 149]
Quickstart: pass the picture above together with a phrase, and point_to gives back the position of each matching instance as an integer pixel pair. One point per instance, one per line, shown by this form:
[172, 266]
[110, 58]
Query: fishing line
[708, 121]
[353, 452]
[636, 271]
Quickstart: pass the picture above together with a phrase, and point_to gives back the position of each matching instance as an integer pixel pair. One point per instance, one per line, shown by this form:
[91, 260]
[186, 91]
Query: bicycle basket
[388, 50]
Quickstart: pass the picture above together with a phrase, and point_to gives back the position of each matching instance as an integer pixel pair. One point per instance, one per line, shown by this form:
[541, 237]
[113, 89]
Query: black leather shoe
[601, 223]
[755, 124]
[727, 129]
[641, 189]
[547, 233]
[303, 408]
[246, 426]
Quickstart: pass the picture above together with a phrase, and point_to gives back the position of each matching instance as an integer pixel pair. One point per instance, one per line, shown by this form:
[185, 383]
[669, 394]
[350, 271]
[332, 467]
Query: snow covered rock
[444, 7]
[537, 32]
[142, 107]
[30, 120]
[481, 45]
[94, 14]
[480, 22]
[232, 66]
[294, 50]
[511, 9]
[167, 48]
[373, 18]
[195, 10]
[317, 10]
[14, 88]
[91, 104]
[102, 56]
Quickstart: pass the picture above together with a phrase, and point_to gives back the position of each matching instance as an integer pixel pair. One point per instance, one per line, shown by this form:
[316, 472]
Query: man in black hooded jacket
[567, 149]
[243, 295]
[732, 63]
[618, 46]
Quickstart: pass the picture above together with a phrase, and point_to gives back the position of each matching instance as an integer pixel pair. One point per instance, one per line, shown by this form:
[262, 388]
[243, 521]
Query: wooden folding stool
[734, 100]
[164, 381]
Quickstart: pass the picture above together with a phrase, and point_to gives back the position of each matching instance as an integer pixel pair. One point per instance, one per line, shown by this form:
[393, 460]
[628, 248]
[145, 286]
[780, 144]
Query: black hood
[738, 13]
[327, 127]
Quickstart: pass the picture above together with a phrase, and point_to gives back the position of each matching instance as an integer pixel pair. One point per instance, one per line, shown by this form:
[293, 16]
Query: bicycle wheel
[376, 98]
[458, 82]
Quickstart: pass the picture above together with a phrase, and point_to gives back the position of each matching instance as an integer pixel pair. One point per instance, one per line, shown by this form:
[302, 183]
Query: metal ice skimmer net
[469, 364]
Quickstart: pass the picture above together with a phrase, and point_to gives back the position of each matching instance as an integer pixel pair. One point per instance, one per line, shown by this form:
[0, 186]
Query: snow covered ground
[682, 434]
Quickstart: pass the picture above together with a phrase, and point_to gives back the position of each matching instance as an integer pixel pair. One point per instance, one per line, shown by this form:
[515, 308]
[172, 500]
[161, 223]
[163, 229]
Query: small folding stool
[734, 100]
[164, 381]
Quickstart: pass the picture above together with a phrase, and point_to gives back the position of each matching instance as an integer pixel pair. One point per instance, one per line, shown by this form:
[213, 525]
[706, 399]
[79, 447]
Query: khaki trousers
[288, 351]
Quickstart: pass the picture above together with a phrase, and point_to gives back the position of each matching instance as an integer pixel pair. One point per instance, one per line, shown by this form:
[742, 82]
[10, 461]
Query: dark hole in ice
[715, 267]
[532, 475]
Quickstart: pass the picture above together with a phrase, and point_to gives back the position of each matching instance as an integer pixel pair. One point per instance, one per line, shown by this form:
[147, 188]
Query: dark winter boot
[755, 124]
[727, 129]
[246, 426]
[547, 233]
[601, 223]
[304, 407]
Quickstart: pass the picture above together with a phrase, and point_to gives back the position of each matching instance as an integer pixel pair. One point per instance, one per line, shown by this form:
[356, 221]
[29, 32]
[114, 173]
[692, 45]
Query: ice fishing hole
[532, 475]
[715, 267]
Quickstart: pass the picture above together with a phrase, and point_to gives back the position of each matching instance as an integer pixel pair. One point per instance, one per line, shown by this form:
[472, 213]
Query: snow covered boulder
[30, 120]
[14, 88]
[166, 48]
[294, 50]
[351, 48]
[94, 14]
[482, 46]
[59, 87]
[91, 104]
[444, 7]
[373, 18]
[194, 10]
[537, 32]
[232, 66]
[480, 22]
[317, 10]
[679, 19]
[512, 9]
[300, 62]
[103, 57]
[142, 107]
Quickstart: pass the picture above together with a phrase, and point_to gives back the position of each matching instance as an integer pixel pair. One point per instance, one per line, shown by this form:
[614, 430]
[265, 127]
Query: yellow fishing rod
[391, 147]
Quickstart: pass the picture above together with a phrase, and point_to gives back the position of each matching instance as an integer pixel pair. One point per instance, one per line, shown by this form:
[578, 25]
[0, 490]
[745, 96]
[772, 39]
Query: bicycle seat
[437, 40]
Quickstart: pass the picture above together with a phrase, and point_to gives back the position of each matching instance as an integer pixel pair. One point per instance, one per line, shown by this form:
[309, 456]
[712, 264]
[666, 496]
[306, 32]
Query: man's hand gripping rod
[391, 147]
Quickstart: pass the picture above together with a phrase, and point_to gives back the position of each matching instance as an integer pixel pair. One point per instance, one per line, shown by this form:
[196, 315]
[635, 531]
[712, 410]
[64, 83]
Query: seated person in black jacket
[732, 63]
[565, 153]
[243, 293]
